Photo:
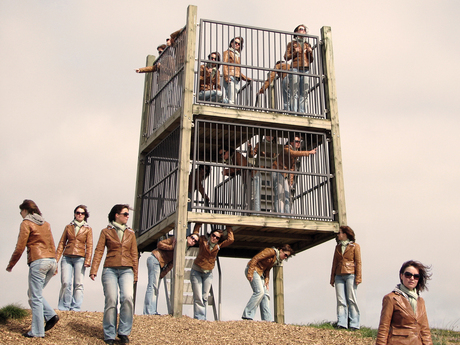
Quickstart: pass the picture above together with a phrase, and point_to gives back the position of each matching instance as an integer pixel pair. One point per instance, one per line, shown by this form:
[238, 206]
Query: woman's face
[192, 240]
[215, 237]
[122, 217]
[236, 44]
[79, 214]
[284, 255]
[410, 277]
[24, 213]
[342, 236]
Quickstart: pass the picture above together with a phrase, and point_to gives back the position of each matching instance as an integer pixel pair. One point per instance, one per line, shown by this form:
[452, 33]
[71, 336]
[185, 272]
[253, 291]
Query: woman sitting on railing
[232, 74]
[210, 89]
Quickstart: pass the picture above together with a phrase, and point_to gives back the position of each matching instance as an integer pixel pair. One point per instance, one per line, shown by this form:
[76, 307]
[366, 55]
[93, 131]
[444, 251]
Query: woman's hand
[92, 276]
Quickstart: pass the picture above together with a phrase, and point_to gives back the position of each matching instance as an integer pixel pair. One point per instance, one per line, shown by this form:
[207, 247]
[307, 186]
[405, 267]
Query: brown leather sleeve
[358, 265]
[98, 253]
[24, 232]
[385, 321]
[424, 326]
[61, 244]
[264, 254]
[89, 247]
[167, 244]
[335, 262]
[135, 257]
[229, 239]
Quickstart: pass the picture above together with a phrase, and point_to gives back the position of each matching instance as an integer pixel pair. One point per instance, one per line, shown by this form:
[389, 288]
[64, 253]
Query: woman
[159, 264]
[403, 320]
[301, 54]
[210, 89]
[201, 273]
[258, 273]
[35, 233]
[346, 276]
[120, 272]
[77, 244]
[232, 74]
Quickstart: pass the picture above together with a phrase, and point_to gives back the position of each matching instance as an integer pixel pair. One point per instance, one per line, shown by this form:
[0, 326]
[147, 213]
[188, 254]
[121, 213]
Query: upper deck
[185, 128]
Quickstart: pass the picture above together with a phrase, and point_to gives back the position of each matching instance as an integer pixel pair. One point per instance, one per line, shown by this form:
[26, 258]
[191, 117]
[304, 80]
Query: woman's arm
[385, 321]
[89, 247]
[24, 232]
[358, 265]
[62, 243]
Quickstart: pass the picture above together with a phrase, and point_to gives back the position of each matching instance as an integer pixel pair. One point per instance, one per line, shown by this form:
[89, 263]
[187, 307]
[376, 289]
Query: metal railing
[268, 75]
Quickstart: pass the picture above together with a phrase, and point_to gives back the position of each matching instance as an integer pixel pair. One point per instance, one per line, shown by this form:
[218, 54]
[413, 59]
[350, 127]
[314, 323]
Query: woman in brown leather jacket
[201, 273]
[403, 320]
[233, 74]
[258, 273]
[346, 276]
[119, 273]
[77, 244]
[35, 233]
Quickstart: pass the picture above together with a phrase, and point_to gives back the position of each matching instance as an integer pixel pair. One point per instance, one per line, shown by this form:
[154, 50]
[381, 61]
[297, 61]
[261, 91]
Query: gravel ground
[86, 328]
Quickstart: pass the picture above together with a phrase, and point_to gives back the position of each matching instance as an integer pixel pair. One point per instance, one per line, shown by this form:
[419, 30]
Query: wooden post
[331, 104]
[180, 230]
[278, 292]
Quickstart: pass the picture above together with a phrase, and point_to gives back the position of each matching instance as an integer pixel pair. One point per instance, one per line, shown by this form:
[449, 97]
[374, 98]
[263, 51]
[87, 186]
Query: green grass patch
[12, 311]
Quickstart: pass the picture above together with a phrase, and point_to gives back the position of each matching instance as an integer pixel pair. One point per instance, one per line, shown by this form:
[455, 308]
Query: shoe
[27, 335]
[109, 341]
[123, 339]
[354, 329]
[51, 322]
[246, 318]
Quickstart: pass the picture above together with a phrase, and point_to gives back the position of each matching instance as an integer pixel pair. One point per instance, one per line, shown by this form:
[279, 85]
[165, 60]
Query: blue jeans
[151, 294]
[282, 196]
[201, 284]
[286, 94]
[347, 306]
[71, 294]
[299, 87]
[112, 280]
[40, 273]
[211, 96]
[260, 298]
[256, 191]
[232, 88]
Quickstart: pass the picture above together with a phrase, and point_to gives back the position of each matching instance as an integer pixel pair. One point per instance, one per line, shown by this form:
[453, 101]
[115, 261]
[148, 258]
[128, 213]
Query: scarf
[344, 245]
[35, 218]
[120, 228]
[277, 254]
[78, 225]
[411, 295]
[236, 52]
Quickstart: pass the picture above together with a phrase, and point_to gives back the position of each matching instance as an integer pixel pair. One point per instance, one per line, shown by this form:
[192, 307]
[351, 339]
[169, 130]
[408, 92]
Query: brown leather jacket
[38, 239]
[262, 263]
[165, 255]
[232, 71]
[348, 262]
[287, 158]
[80, 245]
[281, 66]
[119, 254]
[206, 258]
[300, 53]
[399, 325]
[207, 81]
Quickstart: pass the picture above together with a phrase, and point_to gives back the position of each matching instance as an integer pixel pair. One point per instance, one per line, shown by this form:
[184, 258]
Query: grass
[12, 311]
[439, 336]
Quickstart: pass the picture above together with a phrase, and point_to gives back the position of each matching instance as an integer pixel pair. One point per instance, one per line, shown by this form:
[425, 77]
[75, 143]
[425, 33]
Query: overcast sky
[70, 109]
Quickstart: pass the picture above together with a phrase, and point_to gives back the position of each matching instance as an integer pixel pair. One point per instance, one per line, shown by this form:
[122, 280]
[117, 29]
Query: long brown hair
[30, 206]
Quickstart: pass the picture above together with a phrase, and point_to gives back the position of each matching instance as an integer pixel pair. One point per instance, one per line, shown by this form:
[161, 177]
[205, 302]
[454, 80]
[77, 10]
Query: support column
[177, 291]
[278, 291]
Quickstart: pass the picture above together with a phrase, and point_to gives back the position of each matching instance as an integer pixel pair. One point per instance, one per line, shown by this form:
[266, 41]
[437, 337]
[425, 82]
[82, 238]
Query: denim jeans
[40, 273]
[112, 280]
[72, 274]
[299, 87]
[256, 191]
[286, 94]
[282, 196]
[232, 88]
[347, 306]
[201, 284]
[260, 298]
[211, 96]
[151, 294]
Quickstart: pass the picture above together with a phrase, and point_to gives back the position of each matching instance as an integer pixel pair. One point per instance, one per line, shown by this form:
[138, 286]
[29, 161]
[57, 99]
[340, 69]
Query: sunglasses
[194, 239]
[213, 235]
[410, 275]
[80, 213]
[126, 214]
[213, 58]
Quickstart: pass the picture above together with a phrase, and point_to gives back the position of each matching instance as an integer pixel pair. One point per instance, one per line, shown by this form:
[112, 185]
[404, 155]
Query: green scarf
[78, 225]
[411, 295]
[120, 228]
[277, 254]
[344, 245]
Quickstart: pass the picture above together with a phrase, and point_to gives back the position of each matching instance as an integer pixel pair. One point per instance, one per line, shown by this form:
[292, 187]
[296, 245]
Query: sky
[70, 110]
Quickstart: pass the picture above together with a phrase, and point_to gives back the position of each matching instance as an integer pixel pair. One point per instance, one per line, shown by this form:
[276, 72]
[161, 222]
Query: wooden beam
[278, 292]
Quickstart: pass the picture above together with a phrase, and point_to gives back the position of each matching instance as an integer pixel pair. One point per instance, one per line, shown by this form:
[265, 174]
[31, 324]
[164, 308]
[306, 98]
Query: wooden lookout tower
[185, 129]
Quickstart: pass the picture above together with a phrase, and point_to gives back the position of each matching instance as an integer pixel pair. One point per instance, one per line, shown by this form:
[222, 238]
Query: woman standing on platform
[346, 276]
[77, 244]
[233, 74]
[258, 273]
[35, 233]
[403, 320]
[201, 273]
